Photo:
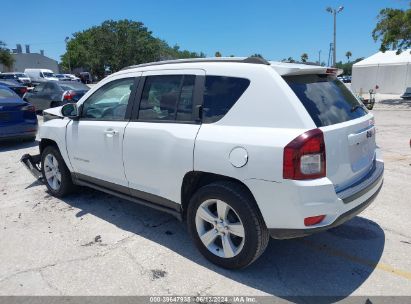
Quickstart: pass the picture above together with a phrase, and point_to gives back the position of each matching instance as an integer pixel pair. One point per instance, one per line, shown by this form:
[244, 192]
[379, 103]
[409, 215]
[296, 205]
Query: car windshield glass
[20, 75]
[48, 74]
[4, 93]
[74, 86]
[326, 99]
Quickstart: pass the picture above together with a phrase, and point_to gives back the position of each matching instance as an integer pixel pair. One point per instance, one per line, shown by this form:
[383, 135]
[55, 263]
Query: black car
[18, 88]
[51, 94]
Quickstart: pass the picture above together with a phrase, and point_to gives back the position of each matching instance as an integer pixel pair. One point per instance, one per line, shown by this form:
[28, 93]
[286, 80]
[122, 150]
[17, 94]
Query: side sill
[175, 210]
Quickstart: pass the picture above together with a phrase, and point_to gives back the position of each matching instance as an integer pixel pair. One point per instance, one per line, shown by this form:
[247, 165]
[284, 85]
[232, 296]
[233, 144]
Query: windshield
[326, 99]
[48, 74]
[20, 75]
[74, 86]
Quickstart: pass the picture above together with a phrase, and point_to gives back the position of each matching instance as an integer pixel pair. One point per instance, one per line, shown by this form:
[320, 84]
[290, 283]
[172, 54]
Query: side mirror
[70, 110]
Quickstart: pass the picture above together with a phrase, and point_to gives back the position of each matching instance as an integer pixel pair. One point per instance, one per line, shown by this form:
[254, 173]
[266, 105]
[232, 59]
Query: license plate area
[362, 148]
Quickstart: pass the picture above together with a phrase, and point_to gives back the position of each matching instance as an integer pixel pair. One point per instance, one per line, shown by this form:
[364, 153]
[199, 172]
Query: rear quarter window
[326, 99]
[220, 94]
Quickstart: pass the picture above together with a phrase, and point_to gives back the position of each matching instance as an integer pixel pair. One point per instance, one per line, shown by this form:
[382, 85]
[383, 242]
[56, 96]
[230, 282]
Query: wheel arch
[45, 142]
[194, 180]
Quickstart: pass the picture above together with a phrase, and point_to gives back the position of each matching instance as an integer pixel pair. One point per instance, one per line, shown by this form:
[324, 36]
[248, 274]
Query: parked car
[240, 149]
[62, 77]
[52, 94]
[19, 77]
[40, 75]
[345, 78]
[17, 117]
[407, 93]
[17, 87]
[72, 77]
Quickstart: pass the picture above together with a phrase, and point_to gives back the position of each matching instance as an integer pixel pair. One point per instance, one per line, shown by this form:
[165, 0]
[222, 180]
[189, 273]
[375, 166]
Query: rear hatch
[348, 128]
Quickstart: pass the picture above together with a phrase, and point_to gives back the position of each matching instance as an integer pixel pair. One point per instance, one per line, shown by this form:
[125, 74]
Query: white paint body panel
[154, 157]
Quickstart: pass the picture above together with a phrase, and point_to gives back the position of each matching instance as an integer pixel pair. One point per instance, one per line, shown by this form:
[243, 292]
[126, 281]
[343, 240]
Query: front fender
[55, 130]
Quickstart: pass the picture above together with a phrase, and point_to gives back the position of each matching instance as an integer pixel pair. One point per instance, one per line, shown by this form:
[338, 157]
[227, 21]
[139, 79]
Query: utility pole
[334, 12]
[319, 57]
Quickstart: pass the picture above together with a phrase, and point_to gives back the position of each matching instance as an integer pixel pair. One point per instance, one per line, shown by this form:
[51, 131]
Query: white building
[24, 61]
[389, 71]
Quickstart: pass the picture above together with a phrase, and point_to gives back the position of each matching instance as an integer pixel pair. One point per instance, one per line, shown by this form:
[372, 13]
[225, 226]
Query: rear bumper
[24, 129]
[5, 137]
[294, 233]
[285, 205]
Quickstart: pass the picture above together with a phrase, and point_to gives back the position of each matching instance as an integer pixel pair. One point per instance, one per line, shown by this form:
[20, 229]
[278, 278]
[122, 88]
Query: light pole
[68, 52]
[335, 12]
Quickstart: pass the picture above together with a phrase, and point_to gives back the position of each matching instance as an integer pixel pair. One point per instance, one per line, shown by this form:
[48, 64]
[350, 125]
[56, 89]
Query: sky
[276, 29]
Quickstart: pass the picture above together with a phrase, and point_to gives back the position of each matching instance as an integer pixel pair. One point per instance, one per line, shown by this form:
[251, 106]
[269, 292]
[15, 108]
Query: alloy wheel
[220, 228]
[52, 172]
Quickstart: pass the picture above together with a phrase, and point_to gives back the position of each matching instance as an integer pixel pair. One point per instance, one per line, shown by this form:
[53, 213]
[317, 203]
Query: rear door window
[326, 99]
[167, 98]
[220, 94]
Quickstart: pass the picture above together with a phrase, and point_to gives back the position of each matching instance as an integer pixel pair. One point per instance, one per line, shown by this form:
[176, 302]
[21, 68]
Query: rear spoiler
[288, 69]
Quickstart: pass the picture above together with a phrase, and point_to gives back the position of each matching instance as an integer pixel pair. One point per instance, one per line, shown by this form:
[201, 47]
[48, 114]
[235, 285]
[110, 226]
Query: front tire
[226, 225]
[56, 175]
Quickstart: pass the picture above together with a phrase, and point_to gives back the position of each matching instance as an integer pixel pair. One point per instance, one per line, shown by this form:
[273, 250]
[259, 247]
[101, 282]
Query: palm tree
[304, 57]
[348, 55]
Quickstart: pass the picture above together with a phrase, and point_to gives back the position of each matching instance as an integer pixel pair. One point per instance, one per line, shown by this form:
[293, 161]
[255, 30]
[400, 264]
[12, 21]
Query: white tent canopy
[389, 71]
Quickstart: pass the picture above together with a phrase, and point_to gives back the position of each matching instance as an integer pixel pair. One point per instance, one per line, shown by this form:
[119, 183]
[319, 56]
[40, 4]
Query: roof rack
[253, 60]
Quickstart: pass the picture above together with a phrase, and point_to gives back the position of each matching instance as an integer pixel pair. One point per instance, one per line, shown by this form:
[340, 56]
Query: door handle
[110, 132]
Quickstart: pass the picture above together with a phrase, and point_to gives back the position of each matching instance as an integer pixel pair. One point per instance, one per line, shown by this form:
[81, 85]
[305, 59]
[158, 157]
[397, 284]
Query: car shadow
[11, 145]
[396, 102]
[322, 268]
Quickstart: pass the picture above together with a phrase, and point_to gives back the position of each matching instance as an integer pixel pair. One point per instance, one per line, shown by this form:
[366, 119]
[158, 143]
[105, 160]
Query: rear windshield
[5, 93]
[326, 99]
[74, 86]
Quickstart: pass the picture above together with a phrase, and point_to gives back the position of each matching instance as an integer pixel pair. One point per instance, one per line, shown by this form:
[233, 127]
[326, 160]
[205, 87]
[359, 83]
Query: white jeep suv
[240, 148]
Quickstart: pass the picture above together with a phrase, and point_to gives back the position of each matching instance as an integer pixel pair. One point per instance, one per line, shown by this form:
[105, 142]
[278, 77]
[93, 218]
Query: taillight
[304, 157]
[23, 90]
[29, 108]
[68, 95]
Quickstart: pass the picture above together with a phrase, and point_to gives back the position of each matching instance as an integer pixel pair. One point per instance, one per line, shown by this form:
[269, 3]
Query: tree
[348, 54]
[393, 29]
[6, 58]
[114, 45]
[304, 57]
[290, 59]
[217, 54]
[347, 67]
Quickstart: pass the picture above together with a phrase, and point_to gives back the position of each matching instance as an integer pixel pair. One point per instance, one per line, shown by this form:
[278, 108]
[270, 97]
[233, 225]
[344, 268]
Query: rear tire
[226, 225]
[56, 175]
